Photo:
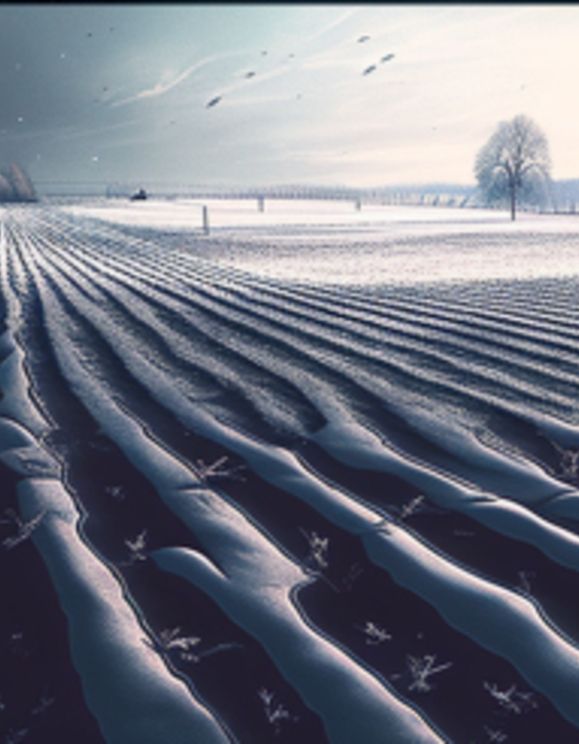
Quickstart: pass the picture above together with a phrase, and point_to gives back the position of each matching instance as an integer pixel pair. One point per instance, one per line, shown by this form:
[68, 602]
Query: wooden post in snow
[205, 220]
[261, 203]
[358, 204]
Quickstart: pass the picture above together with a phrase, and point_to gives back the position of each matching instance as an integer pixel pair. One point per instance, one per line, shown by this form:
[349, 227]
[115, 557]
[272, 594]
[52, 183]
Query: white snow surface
[254, 583]
[243, 567]
[379, 244]
[127, 685]
[237, 544]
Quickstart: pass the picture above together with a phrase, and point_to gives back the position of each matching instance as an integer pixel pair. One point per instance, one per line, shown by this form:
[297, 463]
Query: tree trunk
[513, 191]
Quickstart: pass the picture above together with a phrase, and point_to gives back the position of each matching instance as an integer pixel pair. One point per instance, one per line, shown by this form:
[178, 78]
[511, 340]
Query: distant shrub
[15, 185]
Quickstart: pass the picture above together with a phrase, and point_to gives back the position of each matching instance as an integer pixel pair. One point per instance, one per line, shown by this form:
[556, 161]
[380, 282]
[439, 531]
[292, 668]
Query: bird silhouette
[368, 70]
[363, 39]
[387, 57]
[250, 74]
[213, 102]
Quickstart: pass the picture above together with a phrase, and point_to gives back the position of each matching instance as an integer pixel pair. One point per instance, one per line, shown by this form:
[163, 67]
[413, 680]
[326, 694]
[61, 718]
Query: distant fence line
[562, 196]
[393, 196]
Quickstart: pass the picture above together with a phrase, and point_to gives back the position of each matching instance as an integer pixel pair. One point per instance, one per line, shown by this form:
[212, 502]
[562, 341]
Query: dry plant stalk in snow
[512, 700]
[274, 712]
[421, 668]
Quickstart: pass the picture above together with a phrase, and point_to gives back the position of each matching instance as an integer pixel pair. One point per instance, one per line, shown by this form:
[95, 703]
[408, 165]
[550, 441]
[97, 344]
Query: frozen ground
[311, 477]
[333, 242]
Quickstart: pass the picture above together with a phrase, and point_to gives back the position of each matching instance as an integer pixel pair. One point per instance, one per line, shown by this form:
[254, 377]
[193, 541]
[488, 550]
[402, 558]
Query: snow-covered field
[333, 242]
[309, 477]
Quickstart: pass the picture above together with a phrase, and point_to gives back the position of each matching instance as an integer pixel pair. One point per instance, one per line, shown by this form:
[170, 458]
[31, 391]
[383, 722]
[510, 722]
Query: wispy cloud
[164, 86]
[342, 18]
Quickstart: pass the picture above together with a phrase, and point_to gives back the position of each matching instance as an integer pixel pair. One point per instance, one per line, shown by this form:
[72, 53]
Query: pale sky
[119, 93]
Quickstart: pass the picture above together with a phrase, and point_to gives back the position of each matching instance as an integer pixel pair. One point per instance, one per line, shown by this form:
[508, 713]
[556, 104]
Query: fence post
[205, 220]
[261, 203]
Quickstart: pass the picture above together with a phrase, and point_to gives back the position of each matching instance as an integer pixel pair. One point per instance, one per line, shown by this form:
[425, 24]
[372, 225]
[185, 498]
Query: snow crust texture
[371, 487]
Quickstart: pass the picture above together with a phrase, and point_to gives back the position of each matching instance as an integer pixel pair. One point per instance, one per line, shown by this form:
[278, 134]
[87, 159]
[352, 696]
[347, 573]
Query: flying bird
[387, 57]
[264, 53]
[89, 34]
[250, 74]
[213, 102]
[368, 70]
[363, 39]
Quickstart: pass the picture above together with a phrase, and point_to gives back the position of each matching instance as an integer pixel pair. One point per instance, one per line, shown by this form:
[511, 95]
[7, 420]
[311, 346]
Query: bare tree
[514, 164]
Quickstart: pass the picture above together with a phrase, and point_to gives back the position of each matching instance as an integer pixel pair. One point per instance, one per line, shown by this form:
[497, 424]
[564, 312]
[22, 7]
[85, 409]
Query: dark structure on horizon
[140, 195]
[15, 185]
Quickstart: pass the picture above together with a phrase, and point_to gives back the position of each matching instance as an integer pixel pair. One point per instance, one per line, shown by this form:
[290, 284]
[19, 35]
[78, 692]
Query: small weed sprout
[218, 469]
[15, 736]
[353, 573]
[317, 562]
[525, 580]
[569, 462]
[116, 492]
[375, 635]
[170, 640]
[317, 558]
[495, 735]
[274, 712]
[100, 442]
[136, 549]
[414, 506]
[417, 505]
[421, 669]
[511, 700]
[43, 705]
[17, 644]
[23, 529]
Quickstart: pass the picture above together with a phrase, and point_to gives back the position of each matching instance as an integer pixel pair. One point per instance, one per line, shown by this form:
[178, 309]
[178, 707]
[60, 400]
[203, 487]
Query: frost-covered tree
[513, 166]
